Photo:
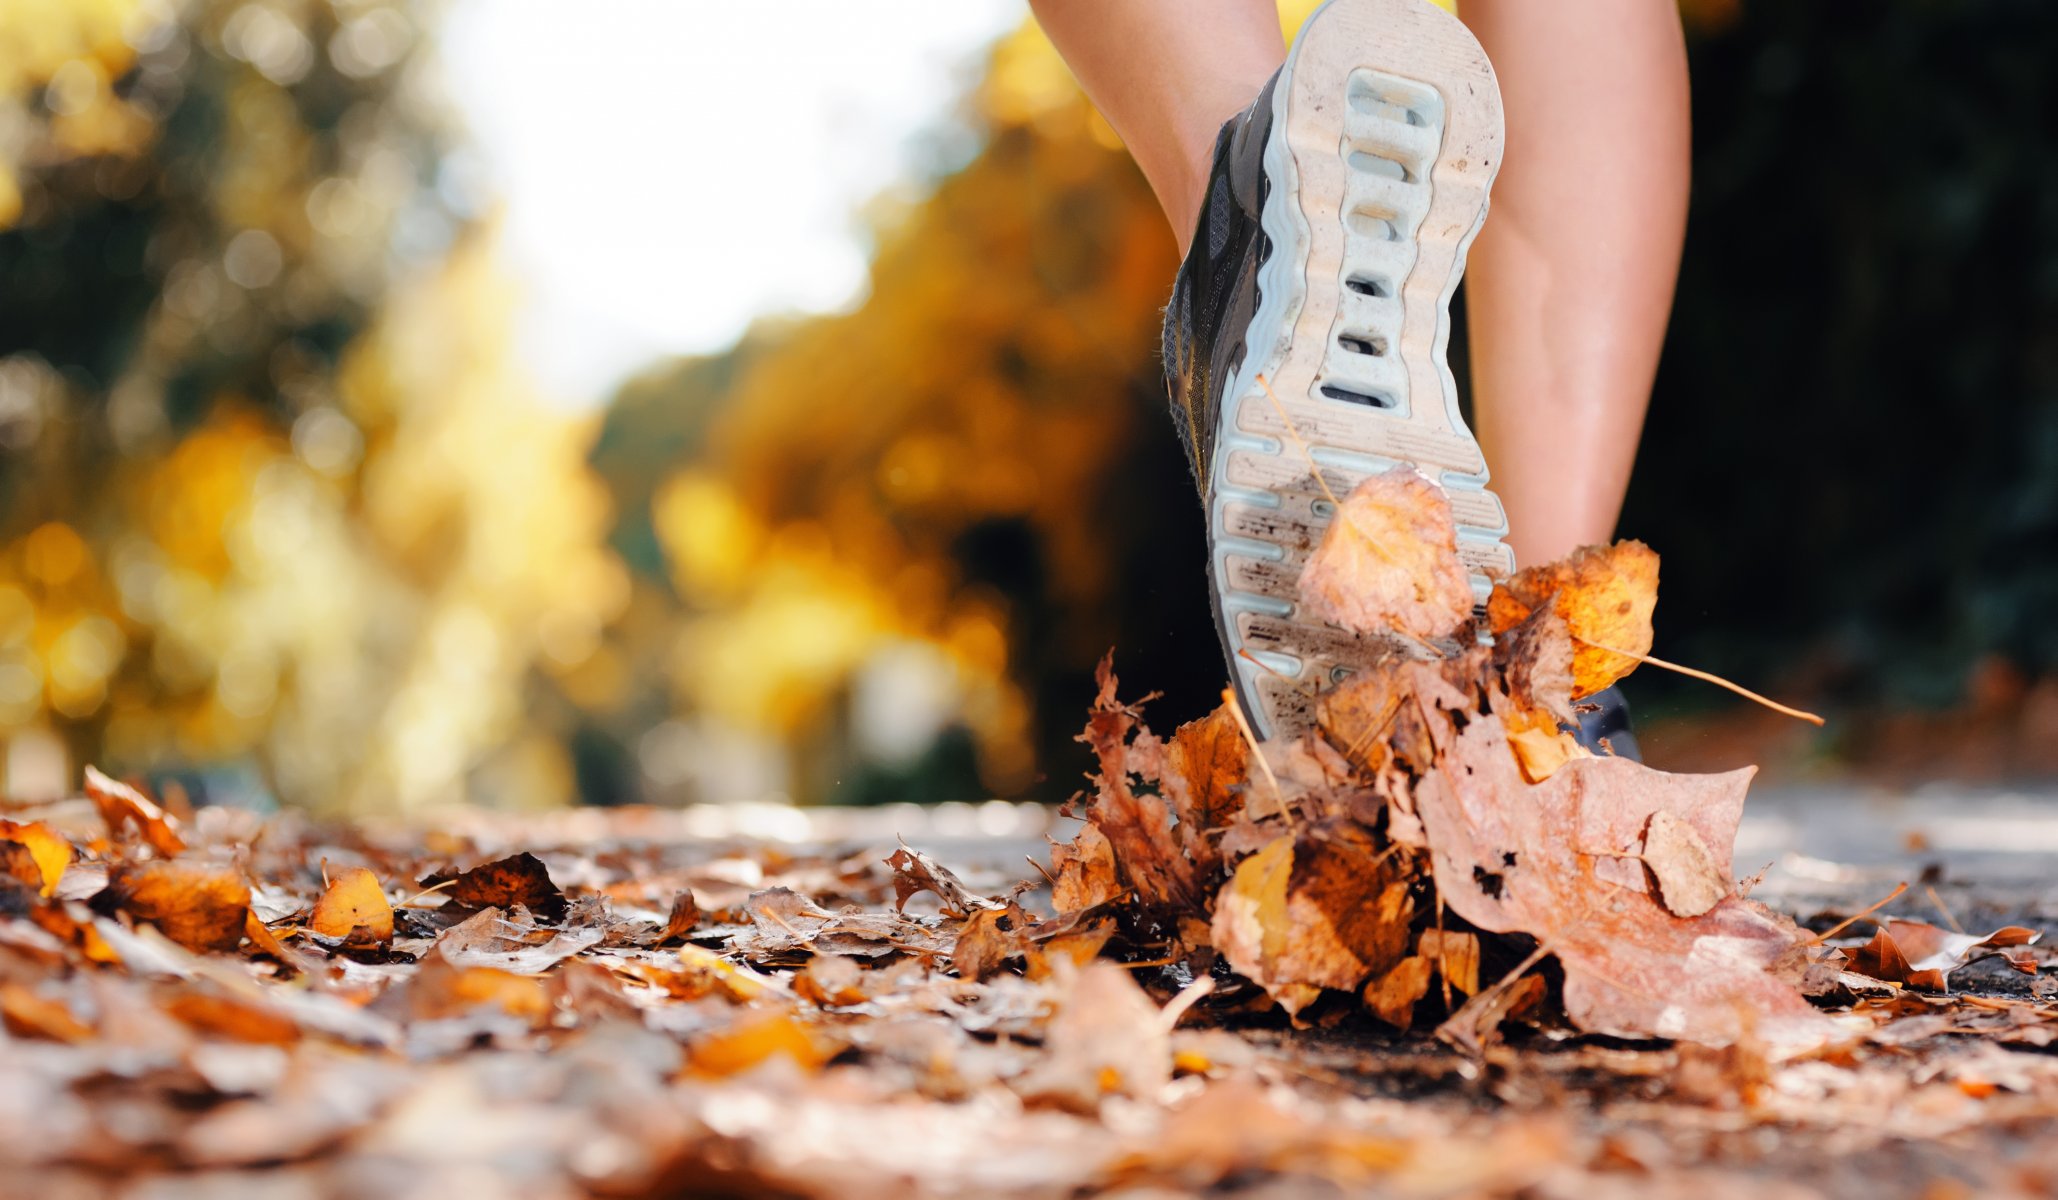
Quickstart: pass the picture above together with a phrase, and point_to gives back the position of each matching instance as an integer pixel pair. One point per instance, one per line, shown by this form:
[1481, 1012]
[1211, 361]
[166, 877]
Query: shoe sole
[1386, 137]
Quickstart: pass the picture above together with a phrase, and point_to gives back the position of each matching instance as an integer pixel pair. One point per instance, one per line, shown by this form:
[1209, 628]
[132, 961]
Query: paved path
[1828, 846]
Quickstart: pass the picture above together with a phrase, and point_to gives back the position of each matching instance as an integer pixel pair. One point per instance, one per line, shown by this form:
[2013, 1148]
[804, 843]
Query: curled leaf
[123, 807]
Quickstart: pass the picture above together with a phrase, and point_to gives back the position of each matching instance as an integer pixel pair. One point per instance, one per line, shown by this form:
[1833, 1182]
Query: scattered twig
[1243, 725]
[1943, 908]
[1856, 917]
[1706, 677]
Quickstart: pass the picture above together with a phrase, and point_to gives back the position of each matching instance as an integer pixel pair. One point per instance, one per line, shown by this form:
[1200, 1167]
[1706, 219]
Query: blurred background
[403, 404]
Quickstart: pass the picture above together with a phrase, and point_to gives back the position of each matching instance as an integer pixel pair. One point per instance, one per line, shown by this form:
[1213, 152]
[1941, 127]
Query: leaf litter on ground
[1427, 945]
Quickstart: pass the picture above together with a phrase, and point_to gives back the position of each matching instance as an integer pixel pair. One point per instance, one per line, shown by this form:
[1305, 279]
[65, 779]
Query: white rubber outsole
[1386, 136]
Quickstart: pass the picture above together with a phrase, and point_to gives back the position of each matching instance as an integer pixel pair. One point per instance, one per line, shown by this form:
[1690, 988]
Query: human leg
[1166, 74]
[1571, 279]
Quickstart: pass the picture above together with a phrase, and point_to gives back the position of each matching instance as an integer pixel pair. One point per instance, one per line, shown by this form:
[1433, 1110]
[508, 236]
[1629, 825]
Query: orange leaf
[121, 806]
[1606, 595]
[231, 1017]
[752, 1041]
[26, 1014]
[353, 900]
[200, 907]
[51, 852]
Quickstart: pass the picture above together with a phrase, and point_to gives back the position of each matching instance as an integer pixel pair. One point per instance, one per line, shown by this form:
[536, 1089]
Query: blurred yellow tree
[270, 493]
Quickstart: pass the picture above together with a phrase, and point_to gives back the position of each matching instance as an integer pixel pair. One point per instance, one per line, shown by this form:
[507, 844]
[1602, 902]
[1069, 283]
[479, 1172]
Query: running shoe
[1334, 230]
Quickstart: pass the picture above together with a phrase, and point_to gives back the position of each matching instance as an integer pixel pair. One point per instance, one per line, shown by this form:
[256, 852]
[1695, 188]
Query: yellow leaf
[353, 900]
[51, 852]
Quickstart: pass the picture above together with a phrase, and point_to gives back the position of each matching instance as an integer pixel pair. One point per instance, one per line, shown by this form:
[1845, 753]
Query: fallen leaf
[26, 1013]
[1922, 955]
[755, 1039]
[985, 941]
[1392, 997]
[233, 1018]
[1138, 825]
[122, 806]
[488, 939]
[519, 879]
[1689, 881]
[915, 872]
[1605, 594]
[1106, 1039]
[1206, 764]
[1515, 857]
[441, 989]
[683, 918]
[1455, 954]
[833, 980]
[51, 852]
[19, 869]
[199, 906]
[1322, 909]
[1085, 871]
[1389, 562]
[353, 900]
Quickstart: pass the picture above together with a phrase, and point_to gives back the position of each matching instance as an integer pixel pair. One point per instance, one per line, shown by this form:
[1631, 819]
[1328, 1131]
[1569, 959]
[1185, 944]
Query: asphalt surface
[1825, 848]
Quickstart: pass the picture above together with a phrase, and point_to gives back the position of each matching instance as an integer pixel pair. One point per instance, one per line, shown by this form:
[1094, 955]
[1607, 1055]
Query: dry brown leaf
[519, 879]
[47, 847]
[489, 939]
[1084, 871]
[915, 872]
[1456, 955]
[1605, 594]
[1512, 857]
[1922, 955]
[19, 871]
[1689, 880]
[1075, 939]
[1138, 825]
[834, 981]
[1882, 959]
[1389, 561]
[199, 906]
[1106, 1039]
[986, 940]
[1206, 764]
[122, 806]
[353, 900]
[1324, 909]
[261, 936]
[1392, 997]
[683, 918]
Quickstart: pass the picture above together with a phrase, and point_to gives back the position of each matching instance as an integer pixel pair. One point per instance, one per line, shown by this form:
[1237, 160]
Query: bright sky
[671, 168]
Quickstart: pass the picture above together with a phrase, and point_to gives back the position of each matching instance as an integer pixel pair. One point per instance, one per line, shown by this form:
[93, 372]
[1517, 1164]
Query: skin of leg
[1166, 74]
[1570, 282]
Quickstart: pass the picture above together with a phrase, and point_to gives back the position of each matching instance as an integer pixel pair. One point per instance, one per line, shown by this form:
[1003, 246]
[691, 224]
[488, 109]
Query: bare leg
[1167, 74]
[1571, 279]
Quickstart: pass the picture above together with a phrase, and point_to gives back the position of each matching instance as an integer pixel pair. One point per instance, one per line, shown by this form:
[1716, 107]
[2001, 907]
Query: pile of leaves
[1222, 981]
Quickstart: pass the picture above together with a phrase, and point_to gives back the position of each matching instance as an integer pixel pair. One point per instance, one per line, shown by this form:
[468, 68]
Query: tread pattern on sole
[1380, 174]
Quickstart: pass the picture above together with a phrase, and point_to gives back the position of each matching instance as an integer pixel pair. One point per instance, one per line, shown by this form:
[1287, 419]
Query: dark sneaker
[1604, 725]
[1335, 227]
